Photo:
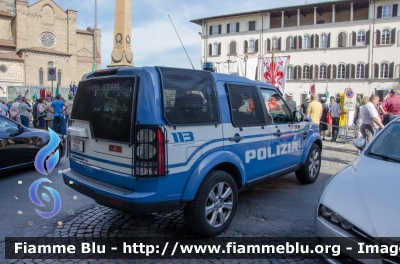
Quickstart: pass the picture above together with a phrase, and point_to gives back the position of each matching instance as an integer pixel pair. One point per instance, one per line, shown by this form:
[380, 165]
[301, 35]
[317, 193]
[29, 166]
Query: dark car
[19, 145]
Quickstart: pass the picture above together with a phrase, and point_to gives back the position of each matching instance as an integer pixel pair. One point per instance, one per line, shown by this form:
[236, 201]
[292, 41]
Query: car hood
[367, 194]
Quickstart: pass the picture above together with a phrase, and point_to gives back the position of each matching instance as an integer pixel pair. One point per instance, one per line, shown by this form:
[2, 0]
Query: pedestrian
[35, 121]
[357, 116]
[42, 112]
[335, 112]
[323, 125]
[3, 108]
[314, 109]
[25, 109]
[64, 120]
[70, 104]
[59, 121]
[391, 106]
[14, 110]
[292, 104]
[330, 104]
[370, 118]
[304, 105]
[49, 118]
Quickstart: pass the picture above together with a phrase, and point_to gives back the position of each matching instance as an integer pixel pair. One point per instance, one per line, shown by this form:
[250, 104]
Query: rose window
[47, 40]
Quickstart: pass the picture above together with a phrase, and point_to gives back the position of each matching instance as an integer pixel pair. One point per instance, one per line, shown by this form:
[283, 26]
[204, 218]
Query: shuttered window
[290, 43]
[361, 38]
[275, 43]
[307, 42]
[252, 46]
[215, 49]
[342, 39]
[323, 41]
[232, 48]
[252, 25]
[341, 71]
[323, 72]
[306, 72]
[360, 74]
[386, 11]
[384, 71]
[385, 37]
[290, 73]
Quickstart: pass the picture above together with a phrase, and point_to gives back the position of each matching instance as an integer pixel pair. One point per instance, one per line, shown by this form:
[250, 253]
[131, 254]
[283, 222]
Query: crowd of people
[43, 113]
[369, 116]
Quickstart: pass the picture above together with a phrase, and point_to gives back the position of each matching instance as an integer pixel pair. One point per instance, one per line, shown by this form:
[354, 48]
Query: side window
[245, 105]
[278, 112]
[7, 126]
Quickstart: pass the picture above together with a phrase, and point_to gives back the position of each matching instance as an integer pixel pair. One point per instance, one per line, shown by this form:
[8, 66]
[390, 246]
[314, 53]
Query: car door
[245, 132]
[287, 137]
[17, 145]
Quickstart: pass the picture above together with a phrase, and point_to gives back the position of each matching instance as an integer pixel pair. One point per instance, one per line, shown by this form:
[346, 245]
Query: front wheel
[214, 206]
[309, 172]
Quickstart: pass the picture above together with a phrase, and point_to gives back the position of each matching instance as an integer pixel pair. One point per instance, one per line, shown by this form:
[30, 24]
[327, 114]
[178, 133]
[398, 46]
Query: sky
[154, 41]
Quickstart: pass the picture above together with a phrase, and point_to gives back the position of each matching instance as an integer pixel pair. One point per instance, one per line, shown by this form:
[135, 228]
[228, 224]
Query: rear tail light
[149, 152]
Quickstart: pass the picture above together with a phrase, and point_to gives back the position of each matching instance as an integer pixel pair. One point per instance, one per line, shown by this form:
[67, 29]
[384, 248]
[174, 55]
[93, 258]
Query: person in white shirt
[335, 112]
[14, 110]
[370, 118]
[3, 108]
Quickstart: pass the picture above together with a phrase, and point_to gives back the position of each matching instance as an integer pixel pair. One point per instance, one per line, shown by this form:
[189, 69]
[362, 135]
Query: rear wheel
[214, 206]
[309, 172]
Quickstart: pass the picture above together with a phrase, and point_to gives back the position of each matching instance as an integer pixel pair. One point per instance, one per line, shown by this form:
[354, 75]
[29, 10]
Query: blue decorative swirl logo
[35, 199]
[48, 156]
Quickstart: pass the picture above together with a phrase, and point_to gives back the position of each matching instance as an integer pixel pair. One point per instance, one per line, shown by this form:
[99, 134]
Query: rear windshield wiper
[383, 156]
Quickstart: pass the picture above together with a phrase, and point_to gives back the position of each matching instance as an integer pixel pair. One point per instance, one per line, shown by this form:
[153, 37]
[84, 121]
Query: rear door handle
[305, 134]
[238, 138]
[278, 134]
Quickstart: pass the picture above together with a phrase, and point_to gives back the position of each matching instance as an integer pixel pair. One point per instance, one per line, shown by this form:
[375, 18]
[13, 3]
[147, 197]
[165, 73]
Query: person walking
[314, 109]
[323, 125]
[335, 112]
[370, 118]
[304, 105]
[3, 108]
[59, 121]
[391, 106]
[292, 104]
[24, 110]
[14, 110]
[35, 121]
[357, 116]
[330, 104]
[49, 118]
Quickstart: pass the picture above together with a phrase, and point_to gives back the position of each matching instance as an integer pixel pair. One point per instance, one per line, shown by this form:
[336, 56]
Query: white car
[360, 206]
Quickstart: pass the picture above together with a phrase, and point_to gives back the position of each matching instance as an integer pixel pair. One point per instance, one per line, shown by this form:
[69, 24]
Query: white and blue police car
[156, 139]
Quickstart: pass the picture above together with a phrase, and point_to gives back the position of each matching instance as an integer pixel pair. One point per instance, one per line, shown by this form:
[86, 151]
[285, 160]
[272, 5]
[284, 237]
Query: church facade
[40, 36]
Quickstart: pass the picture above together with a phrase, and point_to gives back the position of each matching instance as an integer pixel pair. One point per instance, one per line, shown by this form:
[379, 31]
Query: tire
[220, 212]
[309, 172]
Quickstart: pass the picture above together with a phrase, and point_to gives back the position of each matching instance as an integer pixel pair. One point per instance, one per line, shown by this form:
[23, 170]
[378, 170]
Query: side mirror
[360, 143]
[298, 116]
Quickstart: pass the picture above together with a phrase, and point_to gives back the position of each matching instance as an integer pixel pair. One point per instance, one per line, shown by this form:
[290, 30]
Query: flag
[93, 67]
[274, 71]
[326, 93]
[57, 91]
[312, 89]
[35, 94]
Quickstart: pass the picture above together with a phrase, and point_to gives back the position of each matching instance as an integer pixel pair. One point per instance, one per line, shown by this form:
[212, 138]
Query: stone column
[298, 17]
[333, 13]
[315, 15]
[122, 55]
[283, 19]
[351, 11]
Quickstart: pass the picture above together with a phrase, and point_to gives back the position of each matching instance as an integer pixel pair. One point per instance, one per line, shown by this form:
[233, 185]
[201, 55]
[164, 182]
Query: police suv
[156, 139]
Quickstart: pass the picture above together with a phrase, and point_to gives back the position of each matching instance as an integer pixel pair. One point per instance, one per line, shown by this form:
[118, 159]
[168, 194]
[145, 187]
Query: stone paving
[100, 221]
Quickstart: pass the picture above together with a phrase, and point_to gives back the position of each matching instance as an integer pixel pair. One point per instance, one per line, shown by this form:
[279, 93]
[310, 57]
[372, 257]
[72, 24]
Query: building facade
[38, 37]
[338, 44]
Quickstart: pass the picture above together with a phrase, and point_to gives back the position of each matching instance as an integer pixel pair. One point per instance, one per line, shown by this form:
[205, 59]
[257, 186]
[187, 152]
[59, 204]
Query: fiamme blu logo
[45, 162]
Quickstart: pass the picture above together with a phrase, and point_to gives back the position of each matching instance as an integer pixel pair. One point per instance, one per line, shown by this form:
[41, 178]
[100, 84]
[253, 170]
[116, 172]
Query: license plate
[76, 145]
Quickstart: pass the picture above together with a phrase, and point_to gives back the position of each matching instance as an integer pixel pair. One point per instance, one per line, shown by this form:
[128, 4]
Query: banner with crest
[274, 70]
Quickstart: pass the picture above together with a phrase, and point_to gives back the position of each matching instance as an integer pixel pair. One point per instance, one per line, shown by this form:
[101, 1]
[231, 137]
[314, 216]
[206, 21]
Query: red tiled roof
[84, 31]
[46, 51]
[5, 13]
[10, 56]
[8, 43]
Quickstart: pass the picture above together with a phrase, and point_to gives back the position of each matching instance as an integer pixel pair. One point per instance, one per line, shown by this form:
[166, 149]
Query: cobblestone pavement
[253, 218]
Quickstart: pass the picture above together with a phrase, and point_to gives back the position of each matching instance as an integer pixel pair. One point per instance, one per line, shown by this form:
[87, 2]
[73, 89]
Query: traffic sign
[51, 74]
[349, 99]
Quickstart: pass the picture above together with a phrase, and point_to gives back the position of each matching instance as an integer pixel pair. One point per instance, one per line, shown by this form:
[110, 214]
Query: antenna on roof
[181, 41]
